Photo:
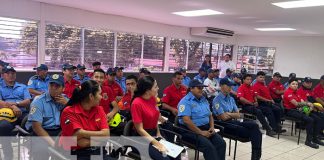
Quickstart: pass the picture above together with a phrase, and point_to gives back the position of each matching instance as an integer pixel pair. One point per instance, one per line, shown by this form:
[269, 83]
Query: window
[256, 59]
[18, 42]
[219, 51]
[98, 46]
[129, 49]
[63, 45]
[196, 56]
[153, 54]
[178, 54]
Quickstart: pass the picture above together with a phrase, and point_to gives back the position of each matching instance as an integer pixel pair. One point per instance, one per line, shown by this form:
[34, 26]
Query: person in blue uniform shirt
[81, 76]
[186, 80]
[2, 64]
[201, 75]
[15, 96]
[44, 117]
[195, 115]
[227, 113]
[237, 81]
[120, 79]
[38, 84]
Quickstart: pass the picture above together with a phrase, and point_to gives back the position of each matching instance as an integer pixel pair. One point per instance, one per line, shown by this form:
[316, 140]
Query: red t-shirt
[319, 92]
[247, 92]
[304, 93]
[146, 112]
[172, 95]
[118, 91]
[288, 96]
[75, 117]
[262, 90]
[273, 87]
[90, 74]
[70, 86]
[107, 98]
[125, 102]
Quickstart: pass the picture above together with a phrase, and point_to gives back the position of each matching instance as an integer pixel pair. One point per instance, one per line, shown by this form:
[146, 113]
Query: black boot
[256, 154]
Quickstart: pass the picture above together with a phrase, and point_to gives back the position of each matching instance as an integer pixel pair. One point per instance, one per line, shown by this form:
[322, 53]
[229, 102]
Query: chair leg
[229, 147]
[235, 149]
[18, 147]
[196, 155]
[292, 127]
[298, 136]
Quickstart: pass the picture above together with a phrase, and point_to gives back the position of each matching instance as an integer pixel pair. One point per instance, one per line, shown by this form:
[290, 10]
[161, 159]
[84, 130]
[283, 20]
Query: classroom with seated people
[161, 80]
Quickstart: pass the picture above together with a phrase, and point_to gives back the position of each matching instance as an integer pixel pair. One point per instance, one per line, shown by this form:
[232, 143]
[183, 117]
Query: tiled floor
[273, 149]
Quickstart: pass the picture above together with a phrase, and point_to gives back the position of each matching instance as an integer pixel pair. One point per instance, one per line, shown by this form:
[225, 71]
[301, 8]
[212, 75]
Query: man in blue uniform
[38, 84]
[120, 79]
[201, 76]
[81, 76]
[195, 115]
[15, 96]
[226, 111]
[2, 64]
[186, 80]
[44, 117]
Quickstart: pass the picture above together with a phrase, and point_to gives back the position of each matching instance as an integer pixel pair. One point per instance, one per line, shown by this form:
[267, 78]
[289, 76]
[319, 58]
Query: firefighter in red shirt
[125, 103]
[173, 94]
[276, 88]
[110, 82]
[69, 83]
[95, 65]
[247, 97]
[306, 92]
[319, 91]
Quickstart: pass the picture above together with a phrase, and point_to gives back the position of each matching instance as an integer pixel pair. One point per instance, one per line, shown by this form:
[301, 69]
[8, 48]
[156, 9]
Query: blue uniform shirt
[286, 85]
[224, 103]
[46, 111]
[199, 78]
[186, 80]
[197, 109]
[1, 81]
[235, 87]
[17, 93]
[77, 77]
[122, 83]
[38, 84]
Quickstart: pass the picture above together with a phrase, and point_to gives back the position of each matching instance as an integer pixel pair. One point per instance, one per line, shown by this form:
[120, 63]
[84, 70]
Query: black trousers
[313, 123]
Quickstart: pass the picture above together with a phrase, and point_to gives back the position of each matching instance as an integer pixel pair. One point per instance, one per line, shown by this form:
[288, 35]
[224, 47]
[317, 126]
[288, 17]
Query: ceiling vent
[211, 32]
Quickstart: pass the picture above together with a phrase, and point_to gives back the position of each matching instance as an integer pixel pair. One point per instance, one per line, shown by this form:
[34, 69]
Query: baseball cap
[307, 79]
[41, 67]
[277, 74]
[68, 66]
[182, 70]
[196, 83]
[8, 69]
[237, 75]
[56, 78]
[111, 71]
[96, 63]
[79, 66]
[226, 81]
[292, 75]
[210, 71]
[119, 68]
[322, 77]
[144, 70]
[3, 64]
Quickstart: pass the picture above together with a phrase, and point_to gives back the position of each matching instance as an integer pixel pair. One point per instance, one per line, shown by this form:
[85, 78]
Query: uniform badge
[216, 106]
[105, 96]
[30, 82]
[33, 110]
[182, 108]
[55, 76]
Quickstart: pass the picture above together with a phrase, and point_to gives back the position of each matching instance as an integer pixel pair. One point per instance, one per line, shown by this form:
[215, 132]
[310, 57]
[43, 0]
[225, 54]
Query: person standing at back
[226, 64]
[207, 63]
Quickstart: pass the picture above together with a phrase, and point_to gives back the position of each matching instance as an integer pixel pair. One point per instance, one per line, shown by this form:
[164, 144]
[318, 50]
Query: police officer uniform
[78, 78]
[247, 129]
[37, 83]
[200, 78]
[3, 64]
[199, 111]
[122, 81]
[186, 80]
[46, 111]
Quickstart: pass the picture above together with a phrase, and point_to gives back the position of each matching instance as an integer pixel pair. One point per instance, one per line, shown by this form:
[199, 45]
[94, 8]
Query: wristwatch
[17, 103]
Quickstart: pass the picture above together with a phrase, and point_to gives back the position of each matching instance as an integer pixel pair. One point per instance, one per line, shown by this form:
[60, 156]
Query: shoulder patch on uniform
[33, 110]
[182, 108]
[30, 82]
[216, 106]
[105, 96]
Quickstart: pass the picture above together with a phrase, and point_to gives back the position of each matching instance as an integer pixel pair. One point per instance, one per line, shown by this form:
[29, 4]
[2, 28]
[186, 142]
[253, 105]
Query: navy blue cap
[119, 68]
[196, 83]
[8, 69]
[56, 78]
[41, 67]
[202, 69]
[182, 70]
[111, 71]
[292, 75]
[144, 70]
[307, 79]
[237, 75]
[322, 77]
[226, 81]
[68, 66]
[79, 66]
[96, 64]
[3, 64]
[210, 70]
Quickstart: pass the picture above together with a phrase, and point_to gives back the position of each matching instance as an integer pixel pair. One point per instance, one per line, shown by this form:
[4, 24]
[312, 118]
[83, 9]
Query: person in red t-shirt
[267, 104]
[319, 91]
[173, 94]
[69, 83]
[83, 118]
[125, 103]
[276, 88]
[145, 115]
[307, 94]
[110, 82]
[95, 65]
[247, 97]
[294, 104]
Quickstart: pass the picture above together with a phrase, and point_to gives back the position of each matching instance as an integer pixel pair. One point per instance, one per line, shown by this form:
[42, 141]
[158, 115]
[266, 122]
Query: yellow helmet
[7, 114]
[317, 105]
[115, 121]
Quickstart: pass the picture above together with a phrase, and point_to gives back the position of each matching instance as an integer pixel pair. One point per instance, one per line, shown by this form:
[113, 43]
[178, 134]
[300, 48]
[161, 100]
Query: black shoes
[271, 133]
[311, 144]
[319, 142]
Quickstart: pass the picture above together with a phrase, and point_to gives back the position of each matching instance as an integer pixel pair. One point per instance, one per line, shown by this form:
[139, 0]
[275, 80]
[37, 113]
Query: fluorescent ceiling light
[195, 13]
[299, 4]
[275, 29]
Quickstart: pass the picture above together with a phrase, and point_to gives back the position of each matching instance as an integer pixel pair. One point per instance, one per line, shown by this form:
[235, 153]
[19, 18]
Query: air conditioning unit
[211, 32]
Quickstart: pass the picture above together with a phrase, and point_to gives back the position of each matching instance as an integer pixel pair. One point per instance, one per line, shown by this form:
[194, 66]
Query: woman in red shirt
[83, 118]
[293, 104]
[145, 115]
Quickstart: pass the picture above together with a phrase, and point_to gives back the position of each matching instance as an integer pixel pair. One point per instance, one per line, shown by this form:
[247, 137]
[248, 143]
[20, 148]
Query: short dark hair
[175, 74]
[82, 93]
[99, 70]
[216, 70]
[261, 73]
[292, 80]
[228, 55]
[246, 76]
[132, 77]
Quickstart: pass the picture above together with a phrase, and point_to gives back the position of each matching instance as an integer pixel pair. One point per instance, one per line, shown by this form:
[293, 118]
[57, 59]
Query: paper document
[173, 149]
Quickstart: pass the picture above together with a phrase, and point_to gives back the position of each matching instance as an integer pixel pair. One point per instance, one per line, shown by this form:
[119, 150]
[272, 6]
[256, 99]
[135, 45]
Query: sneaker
[311, 144]
[271, 133]
[319, 142]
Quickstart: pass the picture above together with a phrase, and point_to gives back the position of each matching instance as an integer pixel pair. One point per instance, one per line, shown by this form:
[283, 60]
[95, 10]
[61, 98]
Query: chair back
[128, 128]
